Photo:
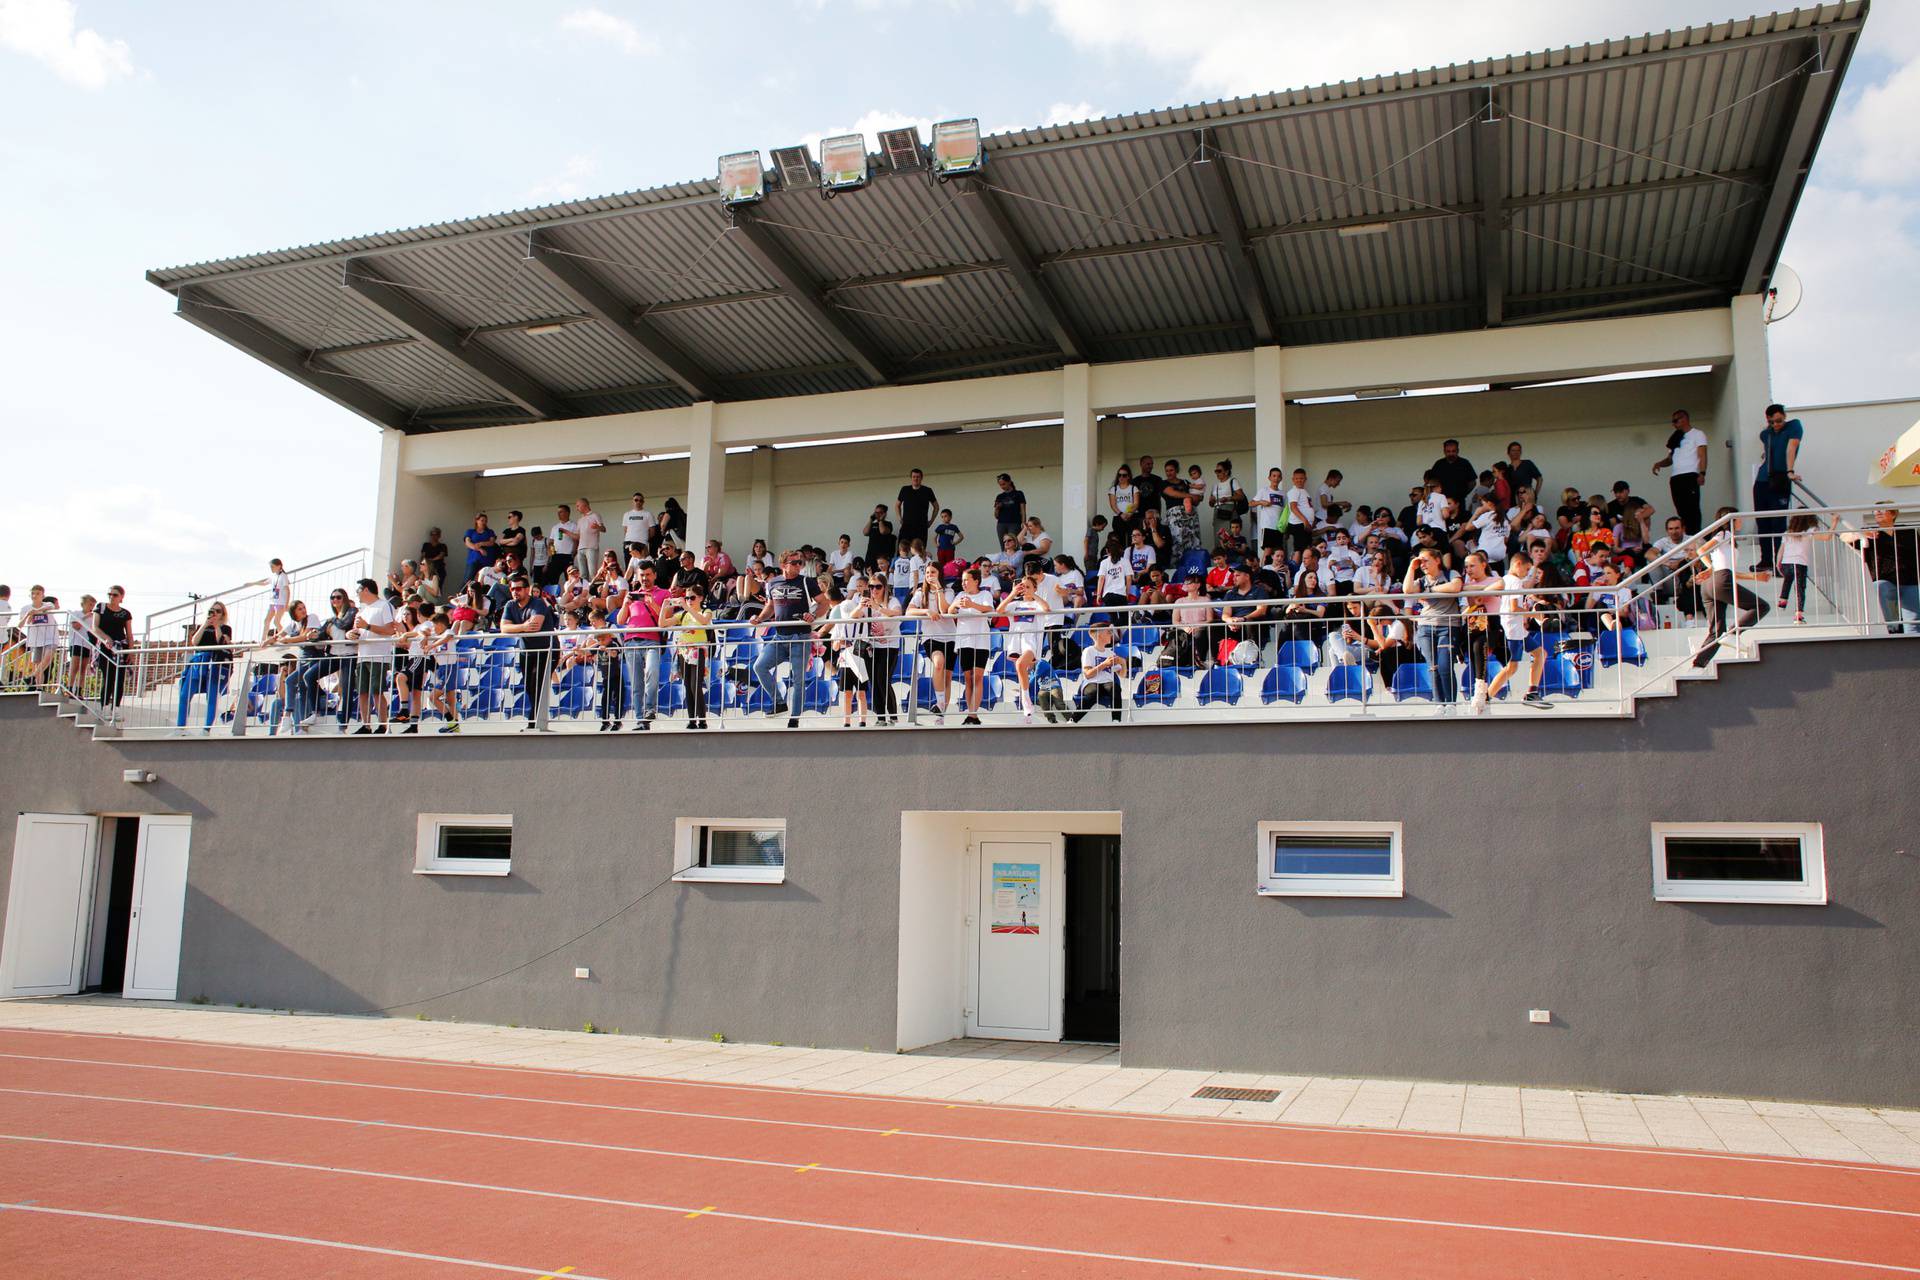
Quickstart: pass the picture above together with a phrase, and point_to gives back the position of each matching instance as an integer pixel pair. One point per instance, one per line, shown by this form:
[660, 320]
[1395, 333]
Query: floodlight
[742, 179]
[902, 147]
[795, 167]
[843, 162]
[956, 148]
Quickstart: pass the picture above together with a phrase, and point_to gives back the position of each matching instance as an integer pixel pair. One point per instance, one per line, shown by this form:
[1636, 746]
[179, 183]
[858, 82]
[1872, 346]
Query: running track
[126, 1156]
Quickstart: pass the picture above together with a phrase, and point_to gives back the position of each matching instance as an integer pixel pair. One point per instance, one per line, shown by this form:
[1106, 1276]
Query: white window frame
[426, 845]
[1391, 885]
[686, 851]
[1809, 891]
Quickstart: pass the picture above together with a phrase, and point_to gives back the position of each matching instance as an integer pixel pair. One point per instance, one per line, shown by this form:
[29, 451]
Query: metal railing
[1585, 650]
[247, 603]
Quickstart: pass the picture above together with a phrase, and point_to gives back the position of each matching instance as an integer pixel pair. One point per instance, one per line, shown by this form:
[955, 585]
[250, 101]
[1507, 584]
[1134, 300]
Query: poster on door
[1016, 898]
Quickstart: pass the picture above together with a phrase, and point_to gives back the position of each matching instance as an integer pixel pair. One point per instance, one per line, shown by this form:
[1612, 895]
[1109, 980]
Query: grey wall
[1527, 872]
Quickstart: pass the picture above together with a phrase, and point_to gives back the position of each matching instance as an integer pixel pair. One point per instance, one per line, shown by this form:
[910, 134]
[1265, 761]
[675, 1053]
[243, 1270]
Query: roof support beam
[401, 307]
[1812, 106]
[271, 349]
[1231, 230]
[585, 290]
[801, 289]
[990, 218]
[1490, 176]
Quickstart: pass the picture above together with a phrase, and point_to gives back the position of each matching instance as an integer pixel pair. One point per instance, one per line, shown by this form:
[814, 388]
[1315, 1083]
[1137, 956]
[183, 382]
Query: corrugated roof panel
[742, 336]
[974, 310]
[1167, 289]
[1124, 193]
[417, 377]
[897, 224]
[307, 307]
[573, 358]
[666, 256]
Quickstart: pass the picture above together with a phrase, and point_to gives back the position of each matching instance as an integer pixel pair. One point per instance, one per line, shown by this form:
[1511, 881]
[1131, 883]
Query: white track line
[683, 1209]
[1391, 1220]
[509, 1268]
[1272, 1161]
[1334, 1214]
[1090, 1113]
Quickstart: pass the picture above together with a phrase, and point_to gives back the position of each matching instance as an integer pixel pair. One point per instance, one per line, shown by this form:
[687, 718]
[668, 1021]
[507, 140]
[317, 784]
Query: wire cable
[593, 928]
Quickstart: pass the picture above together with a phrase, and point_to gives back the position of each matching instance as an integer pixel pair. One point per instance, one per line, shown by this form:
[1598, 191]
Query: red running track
[126, 1156]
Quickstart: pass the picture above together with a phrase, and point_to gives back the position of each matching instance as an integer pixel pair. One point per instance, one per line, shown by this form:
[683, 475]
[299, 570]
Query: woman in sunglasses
[209, 666]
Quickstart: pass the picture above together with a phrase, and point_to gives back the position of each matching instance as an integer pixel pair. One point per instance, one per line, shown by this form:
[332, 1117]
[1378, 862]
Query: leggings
[1794, 576]
[882, 664]
[693, 676]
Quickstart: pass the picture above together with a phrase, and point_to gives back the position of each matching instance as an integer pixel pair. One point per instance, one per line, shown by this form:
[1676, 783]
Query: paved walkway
[1040, 1075]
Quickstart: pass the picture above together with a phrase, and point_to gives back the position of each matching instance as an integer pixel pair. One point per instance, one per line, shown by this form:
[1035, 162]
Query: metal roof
[1621, 177]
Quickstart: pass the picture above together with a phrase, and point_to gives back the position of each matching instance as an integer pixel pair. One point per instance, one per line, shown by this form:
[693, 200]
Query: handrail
[168, 616]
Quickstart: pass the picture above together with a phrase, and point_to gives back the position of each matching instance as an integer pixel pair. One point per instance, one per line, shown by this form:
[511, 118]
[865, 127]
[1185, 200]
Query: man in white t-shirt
[591, 528]
[1523, 643]
[1687, 457]
[564, 535]
[1303, 515]
[636, 528]
[374, 626]
[1332, 508]
[1269, 504]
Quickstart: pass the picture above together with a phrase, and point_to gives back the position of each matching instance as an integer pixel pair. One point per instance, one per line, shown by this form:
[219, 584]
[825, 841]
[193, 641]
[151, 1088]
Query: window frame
[686, 852]
[1809, 891]
[1270, 885]
[426, 845]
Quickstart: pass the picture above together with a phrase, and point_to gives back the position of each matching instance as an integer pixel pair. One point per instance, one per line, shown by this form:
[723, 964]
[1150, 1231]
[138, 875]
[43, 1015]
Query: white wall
[1588, 435]
[934, 899]
[1843, 440]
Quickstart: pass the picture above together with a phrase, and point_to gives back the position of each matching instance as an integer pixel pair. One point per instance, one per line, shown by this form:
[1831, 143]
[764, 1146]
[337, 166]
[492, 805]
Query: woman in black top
[114, 625]
[433, 555]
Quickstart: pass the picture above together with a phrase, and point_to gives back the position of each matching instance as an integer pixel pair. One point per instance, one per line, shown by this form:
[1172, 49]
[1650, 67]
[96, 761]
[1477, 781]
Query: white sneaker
[1480, 701]
[1026, 717]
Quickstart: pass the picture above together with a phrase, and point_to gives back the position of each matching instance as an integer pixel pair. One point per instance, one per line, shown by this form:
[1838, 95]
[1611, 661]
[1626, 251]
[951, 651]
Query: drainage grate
[1224, 1094]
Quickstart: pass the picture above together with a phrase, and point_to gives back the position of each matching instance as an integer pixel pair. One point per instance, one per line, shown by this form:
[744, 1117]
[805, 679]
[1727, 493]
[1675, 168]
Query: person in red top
[643, 645]
[717, 562]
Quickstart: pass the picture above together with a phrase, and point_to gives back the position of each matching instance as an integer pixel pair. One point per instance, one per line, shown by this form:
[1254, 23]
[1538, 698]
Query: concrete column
[706, 476]
[759, 505]
[1270, 445]
[407, 505]
[1079, 452]
[1745, 388]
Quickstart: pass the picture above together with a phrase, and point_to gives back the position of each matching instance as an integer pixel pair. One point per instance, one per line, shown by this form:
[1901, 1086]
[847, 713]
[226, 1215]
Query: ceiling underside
[1621, 178]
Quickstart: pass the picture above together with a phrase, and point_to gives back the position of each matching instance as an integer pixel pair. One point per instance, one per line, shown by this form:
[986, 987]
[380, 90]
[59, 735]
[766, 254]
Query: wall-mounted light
[1364, 229]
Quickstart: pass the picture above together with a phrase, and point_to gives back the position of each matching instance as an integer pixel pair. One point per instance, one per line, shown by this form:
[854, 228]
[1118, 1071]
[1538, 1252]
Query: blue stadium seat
[1620, 646]
[1287, 684]
[673, 697]
[1142, 636]
[1413, 680]
[1220, 684]
[818, 694]
[1160, 687]
[756, 702]
[1347, 681]
[1561, 676]
[923, 693]
[1303, 654]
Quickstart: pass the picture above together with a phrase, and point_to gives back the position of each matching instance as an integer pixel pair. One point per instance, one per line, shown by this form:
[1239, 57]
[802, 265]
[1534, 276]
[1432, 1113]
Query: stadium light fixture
[795, 167]
[957, 148]
[1364, 229]
[902, 148]
[843, 163]
[743, 180]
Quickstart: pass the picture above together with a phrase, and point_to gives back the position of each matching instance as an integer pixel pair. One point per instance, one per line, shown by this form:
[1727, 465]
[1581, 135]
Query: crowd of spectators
[1476, 577]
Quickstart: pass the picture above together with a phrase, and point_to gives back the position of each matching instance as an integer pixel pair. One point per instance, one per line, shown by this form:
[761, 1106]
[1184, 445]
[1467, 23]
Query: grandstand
[1555, 249]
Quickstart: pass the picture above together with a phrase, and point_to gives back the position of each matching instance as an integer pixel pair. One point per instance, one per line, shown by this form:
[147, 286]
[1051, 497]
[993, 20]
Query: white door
[159, 907]
[1019, 957]
[49, 898]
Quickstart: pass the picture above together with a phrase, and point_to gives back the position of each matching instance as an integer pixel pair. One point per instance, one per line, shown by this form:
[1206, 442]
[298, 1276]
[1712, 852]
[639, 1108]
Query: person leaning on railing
[1892, 554]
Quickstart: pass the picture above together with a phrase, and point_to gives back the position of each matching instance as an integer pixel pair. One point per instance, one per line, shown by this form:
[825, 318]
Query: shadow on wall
[227, 960]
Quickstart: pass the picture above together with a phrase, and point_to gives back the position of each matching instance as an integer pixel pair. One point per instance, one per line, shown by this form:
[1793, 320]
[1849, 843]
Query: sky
[140, 135]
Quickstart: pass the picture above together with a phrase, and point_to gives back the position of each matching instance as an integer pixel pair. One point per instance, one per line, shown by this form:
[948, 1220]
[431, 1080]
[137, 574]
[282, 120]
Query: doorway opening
[1091, 927]
[113, 905]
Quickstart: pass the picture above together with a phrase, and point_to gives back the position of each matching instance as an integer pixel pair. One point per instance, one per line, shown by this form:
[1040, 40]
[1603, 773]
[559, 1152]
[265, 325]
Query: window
[740, 850]
[1330, 859]
[1739, 862]
[463, 844]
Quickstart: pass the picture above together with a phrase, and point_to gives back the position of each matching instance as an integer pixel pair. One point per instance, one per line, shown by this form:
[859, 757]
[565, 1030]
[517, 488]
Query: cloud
[1069, 112]
[1859, 254]
[618, 32]
[568, 184]
[44, 30]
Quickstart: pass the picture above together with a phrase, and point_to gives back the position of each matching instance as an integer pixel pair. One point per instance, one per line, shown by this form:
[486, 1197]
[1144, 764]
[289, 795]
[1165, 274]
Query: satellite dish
[1784, 298]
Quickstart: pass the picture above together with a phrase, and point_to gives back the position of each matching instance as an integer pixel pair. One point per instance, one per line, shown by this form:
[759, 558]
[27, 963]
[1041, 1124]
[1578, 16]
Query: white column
[407, 505]
[1270, 444]
[387, 537]
[706, 476]
[1745, 390]
[1079, 451]
[759, 505]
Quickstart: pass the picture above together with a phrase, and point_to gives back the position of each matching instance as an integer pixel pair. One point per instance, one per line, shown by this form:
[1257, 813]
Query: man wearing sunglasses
[374, 626]
[789, 613]
[529, 616]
